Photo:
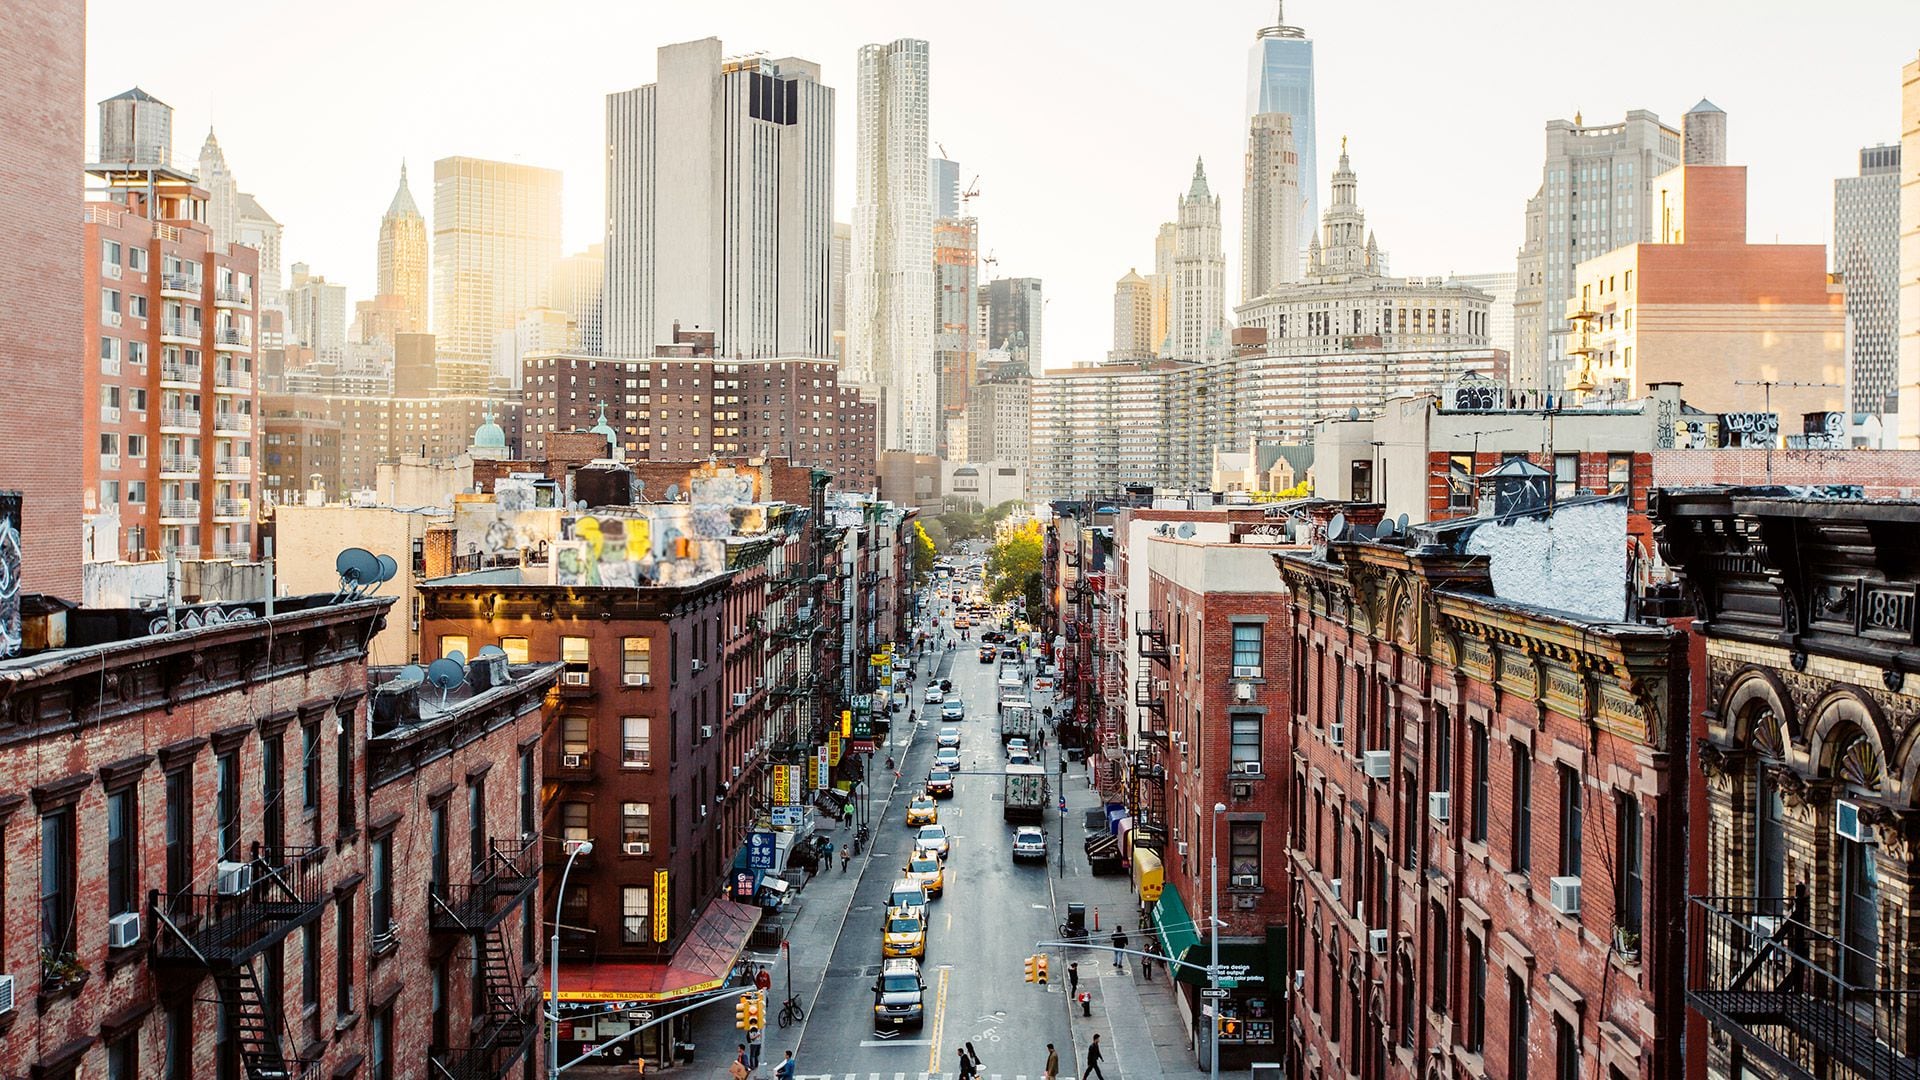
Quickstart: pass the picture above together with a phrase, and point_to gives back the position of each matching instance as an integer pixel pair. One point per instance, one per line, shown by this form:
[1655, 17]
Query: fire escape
[1149, 795]
[252, 906]
[503, 882]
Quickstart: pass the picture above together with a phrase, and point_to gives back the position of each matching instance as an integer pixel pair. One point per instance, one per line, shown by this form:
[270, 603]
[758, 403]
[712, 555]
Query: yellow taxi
[923, 811]
[924, 868]
[906, 935]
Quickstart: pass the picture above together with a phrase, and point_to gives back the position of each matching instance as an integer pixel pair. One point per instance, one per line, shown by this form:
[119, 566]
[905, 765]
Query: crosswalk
[907, 1076]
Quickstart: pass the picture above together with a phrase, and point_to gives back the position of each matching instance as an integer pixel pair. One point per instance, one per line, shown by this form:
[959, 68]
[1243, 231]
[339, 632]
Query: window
[1521, 857]
[1362, 479]
[380, 892]
[1474, 1037]
[636, 661]
[633, 915]
[1243, 852]
[515, 648]
[1570, 799]
[529, 809]
[1516, 1027]
[381, 1044]
[310, 967]
[442, 991]
[477, 820]
[576, 653]
[123, 851]
[343, 953]
[226, 807]
[123, 1057]
[1248, 658]
[454, 643]
[310, 766]
[1460, 482]
[1442, 974]
[1566, 476]
[636, 824]
[1246, 742]
[1619, 474]
[1442, 749]
[573, 822]
[178, 1064]
[57, 882]
[1405, 970]
[636, 742]
[1479, 832]
[272, 785]
[1566, 1050]
[1411, 813]
[1770, 837]
[343, 777]
[1627, 884]
[179, 836]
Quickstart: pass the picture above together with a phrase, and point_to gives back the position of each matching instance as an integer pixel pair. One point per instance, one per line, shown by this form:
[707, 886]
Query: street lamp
[583, 847]
[1213, 942]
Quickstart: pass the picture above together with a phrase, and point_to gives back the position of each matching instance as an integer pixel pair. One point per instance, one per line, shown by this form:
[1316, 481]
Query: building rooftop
[60, 634]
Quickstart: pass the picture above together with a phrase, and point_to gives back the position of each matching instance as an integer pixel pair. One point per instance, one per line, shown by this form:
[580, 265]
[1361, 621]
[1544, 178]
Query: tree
[935, 531]
[923, 551]
[1013, 566]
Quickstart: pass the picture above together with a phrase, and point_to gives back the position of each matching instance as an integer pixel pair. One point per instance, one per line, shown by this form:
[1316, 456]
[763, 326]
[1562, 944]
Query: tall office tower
[1596, 194]
[1132, 318]
[1499, 313]
[1161, 282]
[1015, 310]
[496, 232]
[1703, 133]
[720, 205]
[1280, 80]
[943, 187]
[1270, 214]
[45, 278]
[223, 193]
[401, 269]
[577, 284]
[889, 321]
[956, 285]
[136, 128]
[317, 315]
[839, 258]
[1197, 299]
[1910, 258]
[1866, 255]
[258, 230]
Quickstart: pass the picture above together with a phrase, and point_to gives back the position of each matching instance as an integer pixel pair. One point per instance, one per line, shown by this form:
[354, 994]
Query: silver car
[1029, 842]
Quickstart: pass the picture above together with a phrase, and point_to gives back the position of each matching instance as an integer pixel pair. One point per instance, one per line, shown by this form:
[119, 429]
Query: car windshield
[933, 832]
[924, 866]
[899, 984]
[939, 774]
[903, 926]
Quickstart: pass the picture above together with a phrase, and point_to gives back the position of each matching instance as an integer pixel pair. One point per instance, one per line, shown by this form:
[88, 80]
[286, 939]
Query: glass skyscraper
[1280, 80]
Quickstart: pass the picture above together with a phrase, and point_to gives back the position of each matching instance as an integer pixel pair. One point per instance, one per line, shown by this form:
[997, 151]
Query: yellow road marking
[939, 1023]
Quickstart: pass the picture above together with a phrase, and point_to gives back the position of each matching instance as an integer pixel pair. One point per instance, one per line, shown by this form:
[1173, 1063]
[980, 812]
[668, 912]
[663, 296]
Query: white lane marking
[895, 1042]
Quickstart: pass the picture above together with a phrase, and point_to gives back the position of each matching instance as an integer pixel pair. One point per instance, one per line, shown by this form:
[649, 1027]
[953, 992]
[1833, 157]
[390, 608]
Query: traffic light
[743, 1011]
[1033, 969]
[1042, 968]
[1229, 1027]
[756, 1011]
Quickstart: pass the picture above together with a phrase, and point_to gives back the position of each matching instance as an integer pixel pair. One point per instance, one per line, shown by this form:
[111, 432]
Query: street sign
[791, 816]
[1229, 982]
[1210, 992]
[760, 850]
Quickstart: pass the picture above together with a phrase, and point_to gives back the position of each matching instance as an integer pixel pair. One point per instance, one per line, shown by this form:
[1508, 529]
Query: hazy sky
[1081, 119]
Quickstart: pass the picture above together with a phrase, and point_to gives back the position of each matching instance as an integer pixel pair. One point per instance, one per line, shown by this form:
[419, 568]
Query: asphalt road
[981, 929]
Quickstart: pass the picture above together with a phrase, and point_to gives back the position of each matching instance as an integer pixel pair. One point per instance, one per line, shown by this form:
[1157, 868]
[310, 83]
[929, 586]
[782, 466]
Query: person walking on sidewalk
[849, 814]
[1052, 1071]
[846, 856]
[1093, 1059]
[1073, 980]
[966, 1065]
[784, 1070]
[1119, 942]
[739, 1069]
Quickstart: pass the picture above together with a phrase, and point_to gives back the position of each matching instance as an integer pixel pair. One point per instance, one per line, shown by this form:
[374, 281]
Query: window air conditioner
[1846, 822]
[759, 682]
[1248, 768]
[1337, 733]
[1378, 764]
[1377, 942]
[6, 994]
[1564, 894]
[1242, 790]
[740, 700]
[703, 811]
[1335, 884]
[123, 930]
[1765, 927]
[1182, 848]
[697, 665]
[1246, 881]
[706, 731]
[1299, 978]
[636, 847]
[1176, 648]
[736, 770]
[1440, 805]
[643, 680]
[573, 761]
[1243, 691]
[234, 878]
[574, 678]
[1246, 671]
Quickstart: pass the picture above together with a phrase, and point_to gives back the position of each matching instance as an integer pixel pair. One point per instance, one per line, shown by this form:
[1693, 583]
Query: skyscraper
[720, 205]
[317, 312]
[1500, 286]
[839, 258]
[1910, 258]
[1866, 255]
[1132, 318]
[889, 319]
[578, 281]
[1270, 214]
[1015, 314]
[1161, 283]
[956, 286]
[401, 269]
[496, 233]
[1197, 298]
[223, 193]
[258, 230]
[1280, 80]
[943, 187]
[1596, 194]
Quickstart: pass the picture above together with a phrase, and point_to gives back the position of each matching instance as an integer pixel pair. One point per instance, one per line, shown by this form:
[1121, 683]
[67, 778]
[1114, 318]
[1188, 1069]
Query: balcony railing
[1796, 998]
[180, 283]
[249, 907]
[180, 508]
[179, 463]
[230, 335]
[180, 328]
[242, 380]
[496, 1046]
[501, 881]
[232, 421]
[231, 508]
[233, 294]
[1151, 627]
[180, 373]
[180, 418]
[234, 550]
[232, 466]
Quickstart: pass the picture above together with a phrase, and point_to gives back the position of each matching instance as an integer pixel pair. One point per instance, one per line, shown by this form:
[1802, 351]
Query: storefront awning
[1149, 878]
[701, 963]
[1173, 925]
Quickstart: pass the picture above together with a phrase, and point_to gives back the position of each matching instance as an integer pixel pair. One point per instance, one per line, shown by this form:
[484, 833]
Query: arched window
[1768, 868]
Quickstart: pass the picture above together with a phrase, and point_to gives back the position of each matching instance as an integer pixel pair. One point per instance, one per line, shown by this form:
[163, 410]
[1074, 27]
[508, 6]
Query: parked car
[1029, 842]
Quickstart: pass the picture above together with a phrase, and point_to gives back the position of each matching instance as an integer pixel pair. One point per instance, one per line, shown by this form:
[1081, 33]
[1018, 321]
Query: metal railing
[243, 911]
[495, 1047]
[228, 377]
[185, 283]
[495, 886]
[180, 328]
[233, 294]
[232, 421]
[179, 418]
[1797, 998]
[231, 335]
[180, 373]
[231, 507]
[179, 508]
[232, 466]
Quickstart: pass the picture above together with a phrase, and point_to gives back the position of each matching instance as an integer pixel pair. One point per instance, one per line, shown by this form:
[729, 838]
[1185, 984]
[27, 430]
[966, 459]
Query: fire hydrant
[1086, 1003]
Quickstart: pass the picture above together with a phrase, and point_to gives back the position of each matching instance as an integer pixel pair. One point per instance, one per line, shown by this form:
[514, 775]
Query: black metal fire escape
[478, 910]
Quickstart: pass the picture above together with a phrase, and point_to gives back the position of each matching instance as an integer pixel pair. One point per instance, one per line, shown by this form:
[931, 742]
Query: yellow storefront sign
[846, 725]
[782, 786]
[660, 905]
[833, 744]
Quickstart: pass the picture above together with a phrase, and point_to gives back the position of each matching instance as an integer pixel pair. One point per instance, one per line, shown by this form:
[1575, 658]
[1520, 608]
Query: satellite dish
[1186, 531]
[1384, 530]
[1337, 528]
[639, 485]
[1403, 522]
[491, 650]
[388, 567]
[358, 570]
[673, 492]
[446, 673]
[412, 673]
[1361, 532]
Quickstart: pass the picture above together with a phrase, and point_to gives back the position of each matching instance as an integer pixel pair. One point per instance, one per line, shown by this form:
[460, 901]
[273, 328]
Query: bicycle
[791, 1012]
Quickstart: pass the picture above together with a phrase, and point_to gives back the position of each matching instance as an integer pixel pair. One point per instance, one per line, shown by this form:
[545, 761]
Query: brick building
[300, 450]
[43, 112]
[1489, 802]
[1212, 703]
[1802, 945]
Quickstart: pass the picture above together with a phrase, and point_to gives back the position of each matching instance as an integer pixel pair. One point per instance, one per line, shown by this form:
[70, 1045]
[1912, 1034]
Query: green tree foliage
[923, 551]
[1013, 567]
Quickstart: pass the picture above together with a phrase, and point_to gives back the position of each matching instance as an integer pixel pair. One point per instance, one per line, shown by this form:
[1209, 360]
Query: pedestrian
[739, 1071]
[975, 1055]
[1093, 1059]
[966, 1065]
[1052, 1071]
[784, 1070]
[849, 813]
[845, 857]
[1119, 942]
[1073, 979]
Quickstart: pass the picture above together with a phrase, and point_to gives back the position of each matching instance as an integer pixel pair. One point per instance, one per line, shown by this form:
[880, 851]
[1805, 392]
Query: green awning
[1174, 926]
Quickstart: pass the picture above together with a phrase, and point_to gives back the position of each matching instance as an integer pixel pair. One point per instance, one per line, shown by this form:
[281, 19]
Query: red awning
[701, 963]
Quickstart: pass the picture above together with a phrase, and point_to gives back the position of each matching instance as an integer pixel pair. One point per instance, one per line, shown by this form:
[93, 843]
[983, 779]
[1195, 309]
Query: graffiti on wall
[10, 571]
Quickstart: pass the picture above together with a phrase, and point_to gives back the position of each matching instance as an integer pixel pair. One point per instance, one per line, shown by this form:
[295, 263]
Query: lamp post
[1213, 942]
[584, 847]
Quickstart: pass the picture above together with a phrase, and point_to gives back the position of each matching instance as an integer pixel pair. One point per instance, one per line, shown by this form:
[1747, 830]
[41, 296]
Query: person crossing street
[1093, 1059]
[1052, 1071]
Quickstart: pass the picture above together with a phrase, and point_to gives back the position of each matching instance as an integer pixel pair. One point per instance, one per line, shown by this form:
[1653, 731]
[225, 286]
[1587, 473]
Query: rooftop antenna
[447, 673]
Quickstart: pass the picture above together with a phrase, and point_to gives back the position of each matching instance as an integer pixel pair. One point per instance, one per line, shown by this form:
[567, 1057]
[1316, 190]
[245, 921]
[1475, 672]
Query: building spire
[403, 204]
[1199, 190]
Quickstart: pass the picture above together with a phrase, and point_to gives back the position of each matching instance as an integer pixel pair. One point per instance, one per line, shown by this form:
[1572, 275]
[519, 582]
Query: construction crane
[990, 262]
[967, 196]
